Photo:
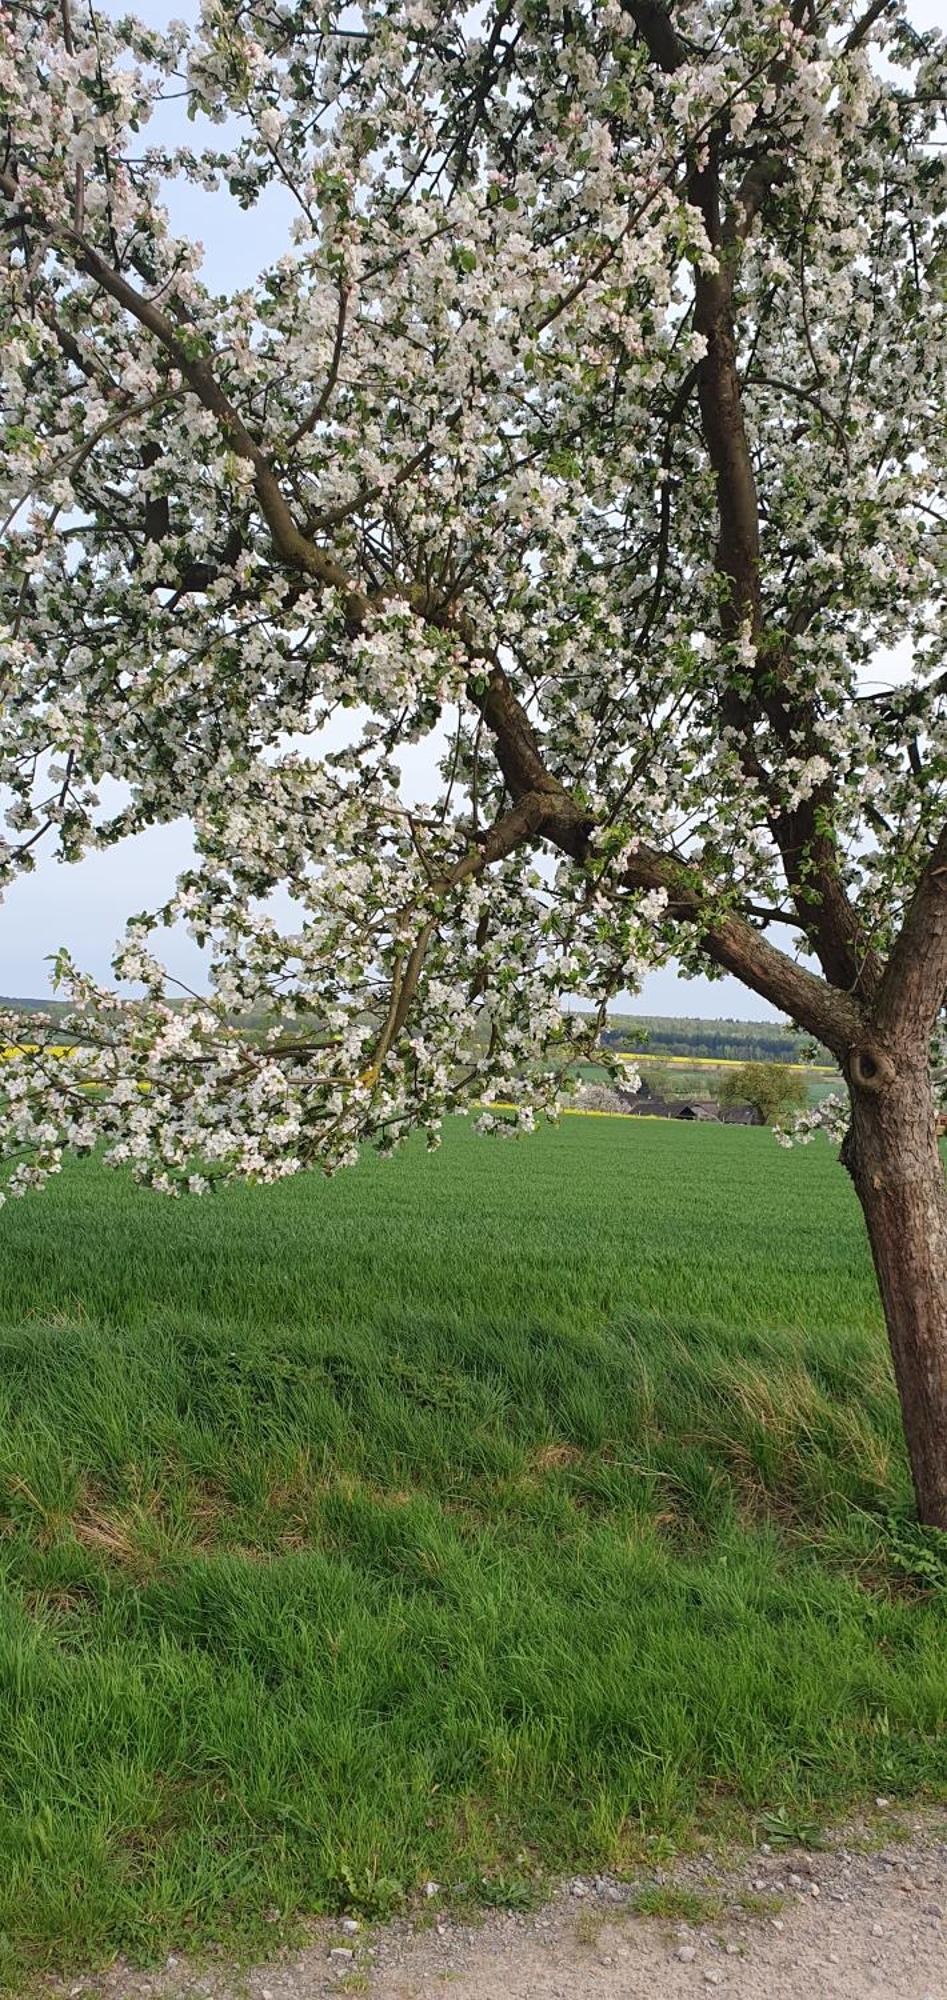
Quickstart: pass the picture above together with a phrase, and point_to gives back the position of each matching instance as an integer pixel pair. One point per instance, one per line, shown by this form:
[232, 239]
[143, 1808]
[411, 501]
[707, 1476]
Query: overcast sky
[85, 906]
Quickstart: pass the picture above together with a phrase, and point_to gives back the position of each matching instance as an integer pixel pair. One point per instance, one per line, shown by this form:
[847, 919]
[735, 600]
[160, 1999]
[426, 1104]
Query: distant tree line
[725, 1041]
[641, 1034]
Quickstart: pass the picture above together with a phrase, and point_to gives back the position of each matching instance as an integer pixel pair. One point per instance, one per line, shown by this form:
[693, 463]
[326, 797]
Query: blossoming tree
[592, 427]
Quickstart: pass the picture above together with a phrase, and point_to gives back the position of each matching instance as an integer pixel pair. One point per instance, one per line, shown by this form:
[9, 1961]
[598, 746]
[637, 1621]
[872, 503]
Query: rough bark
[915, 981]
[892, 1155]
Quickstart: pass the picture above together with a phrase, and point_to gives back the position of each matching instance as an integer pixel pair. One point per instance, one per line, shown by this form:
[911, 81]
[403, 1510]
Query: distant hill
[12, 1004]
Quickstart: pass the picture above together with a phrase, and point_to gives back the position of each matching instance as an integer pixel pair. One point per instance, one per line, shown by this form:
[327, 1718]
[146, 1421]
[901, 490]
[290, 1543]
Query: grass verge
[458, 1519]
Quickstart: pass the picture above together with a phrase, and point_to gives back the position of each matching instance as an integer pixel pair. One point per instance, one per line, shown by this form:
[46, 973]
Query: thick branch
[721, 409]
[738, 947]
[521, 760]
[808, 854]
[867, 22]
[760, 178]
[912, 990]
[657, 31]
[729, 941]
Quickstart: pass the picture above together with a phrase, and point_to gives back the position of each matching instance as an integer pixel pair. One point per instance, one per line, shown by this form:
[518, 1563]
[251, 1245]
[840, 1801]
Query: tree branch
[321, 404]
[865, 25]
[542, 806]
[503, 838]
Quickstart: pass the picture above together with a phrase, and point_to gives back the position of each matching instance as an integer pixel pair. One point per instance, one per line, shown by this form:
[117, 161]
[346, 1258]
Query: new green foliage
[773, 1089]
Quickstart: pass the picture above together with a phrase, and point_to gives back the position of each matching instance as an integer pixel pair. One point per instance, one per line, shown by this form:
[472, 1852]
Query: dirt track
[842, 1925]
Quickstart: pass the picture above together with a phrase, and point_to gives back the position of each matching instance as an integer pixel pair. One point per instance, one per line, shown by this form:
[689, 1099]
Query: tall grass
[457, 1518]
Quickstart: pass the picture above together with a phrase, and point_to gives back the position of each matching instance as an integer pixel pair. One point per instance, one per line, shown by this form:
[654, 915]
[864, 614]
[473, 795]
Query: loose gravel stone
[821, 1948]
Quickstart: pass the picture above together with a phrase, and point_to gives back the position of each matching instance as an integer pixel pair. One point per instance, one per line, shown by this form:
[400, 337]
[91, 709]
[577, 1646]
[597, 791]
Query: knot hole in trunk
[872, 1070]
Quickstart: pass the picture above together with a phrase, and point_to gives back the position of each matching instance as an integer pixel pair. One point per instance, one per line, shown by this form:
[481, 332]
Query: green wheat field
[469, 1518]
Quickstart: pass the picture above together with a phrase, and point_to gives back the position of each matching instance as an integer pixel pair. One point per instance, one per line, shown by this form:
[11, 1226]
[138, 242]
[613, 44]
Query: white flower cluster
[441, 477]
[830, 1117]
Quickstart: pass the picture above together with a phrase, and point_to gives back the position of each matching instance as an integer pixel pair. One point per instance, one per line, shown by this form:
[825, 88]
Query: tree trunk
[892, 1155]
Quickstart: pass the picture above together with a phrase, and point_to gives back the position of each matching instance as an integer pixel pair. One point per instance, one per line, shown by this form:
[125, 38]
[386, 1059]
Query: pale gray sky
[85, 906]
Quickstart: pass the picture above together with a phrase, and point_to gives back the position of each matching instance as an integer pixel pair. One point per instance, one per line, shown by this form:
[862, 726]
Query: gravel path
[854, 1922]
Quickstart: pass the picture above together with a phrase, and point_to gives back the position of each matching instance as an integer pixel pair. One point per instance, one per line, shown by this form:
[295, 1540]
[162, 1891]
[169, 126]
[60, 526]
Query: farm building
[596, 1097]
[708, 1110]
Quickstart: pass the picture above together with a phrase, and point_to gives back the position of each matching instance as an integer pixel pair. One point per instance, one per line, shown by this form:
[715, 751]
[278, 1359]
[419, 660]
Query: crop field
[701, 1076]
[467, 1517]
[726, 1062]
[681, 1077]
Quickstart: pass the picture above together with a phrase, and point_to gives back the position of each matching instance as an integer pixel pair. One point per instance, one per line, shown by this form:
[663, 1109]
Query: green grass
[460, 1518]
